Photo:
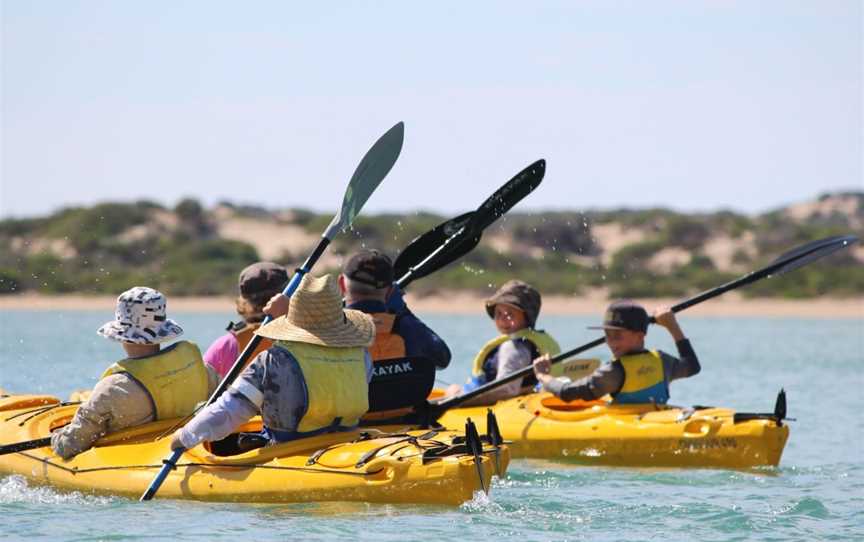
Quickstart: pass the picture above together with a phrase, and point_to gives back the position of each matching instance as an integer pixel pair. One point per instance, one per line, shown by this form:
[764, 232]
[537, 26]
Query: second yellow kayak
[596, 433]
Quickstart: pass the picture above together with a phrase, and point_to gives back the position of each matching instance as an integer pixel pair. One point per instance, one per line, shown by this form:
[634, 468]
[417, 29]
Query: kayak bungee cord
[40, 410]
[250, 466]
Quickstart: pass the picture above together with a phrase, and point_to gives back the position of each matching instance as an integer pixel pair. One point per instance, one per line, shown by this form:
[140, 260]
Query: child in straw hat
[313, 380]
[151, 383]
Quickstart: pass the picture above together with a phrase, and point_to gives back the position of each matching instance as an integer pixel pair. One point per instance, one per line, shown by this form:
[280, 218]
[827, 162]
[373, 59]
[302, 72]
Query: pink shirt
[222, 354]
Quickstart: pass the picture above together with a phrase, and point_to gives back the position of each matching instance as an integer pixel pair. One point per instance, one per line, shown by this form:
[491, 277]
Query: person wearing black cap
[257, 284]
[514, 308]
[635, 375]
[406, 353]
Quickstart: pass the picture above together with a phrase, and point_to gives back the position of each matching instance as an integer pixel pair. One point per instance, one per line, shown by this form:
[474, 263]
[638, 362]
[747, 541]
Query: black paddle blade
[492, 430]
[801, 256]
[508, 195]
[472, 226]
[780, 406]
[420, 248]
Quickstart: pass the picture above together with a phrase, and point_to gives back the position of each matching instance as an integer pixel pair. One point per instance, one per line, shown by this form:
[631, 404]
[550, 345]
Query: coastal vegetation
[190, 250]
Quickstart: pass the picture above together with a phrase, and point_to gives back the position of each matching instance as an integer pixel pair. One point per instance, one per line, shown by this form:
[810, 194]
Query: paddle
[368, 175]
[26, 445]
[788, 261]
[451, 240]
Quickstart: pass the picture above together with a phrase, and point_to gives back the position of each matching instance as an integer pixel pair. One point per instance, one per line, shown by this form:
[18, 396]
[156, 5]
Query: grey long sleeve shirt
[609, 378]
[272, 385]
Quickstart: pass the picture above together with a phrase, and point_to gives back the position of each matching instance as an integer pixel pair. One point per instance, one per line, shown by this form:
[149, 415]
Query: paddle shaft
[26, 445]
[750, 278]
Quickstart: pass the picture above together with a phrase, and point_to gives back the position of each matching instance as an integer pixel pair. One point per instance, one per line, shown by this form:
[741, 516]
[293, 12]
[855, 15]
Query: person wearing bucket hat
[406, 353]
[313, 380]
[257, 284]
[151, 383]
[635, 375]
[514, 308]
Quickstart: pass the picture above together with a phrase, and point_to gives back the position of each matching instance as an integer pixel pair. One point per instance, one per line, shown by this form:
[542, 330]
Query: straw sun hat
[316, 316]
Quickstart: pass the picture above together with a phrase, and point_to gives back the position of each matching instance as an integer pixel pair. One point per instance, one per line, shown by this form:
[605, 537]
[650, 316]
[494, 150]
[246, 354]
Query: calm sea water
[816, 493]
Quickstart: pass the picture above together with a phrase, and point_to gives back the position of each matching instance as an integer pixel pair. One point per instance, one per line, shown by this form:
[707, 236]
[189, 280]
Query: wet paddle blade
[463, 233]
[811, 252]
[421, 247]
[508, 195]
[376, 164]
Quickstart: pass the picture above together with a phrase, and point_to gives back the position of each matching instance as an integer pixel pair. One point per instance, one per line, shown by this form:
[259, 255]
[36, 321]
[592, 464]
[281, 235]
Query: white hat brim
[116, 331]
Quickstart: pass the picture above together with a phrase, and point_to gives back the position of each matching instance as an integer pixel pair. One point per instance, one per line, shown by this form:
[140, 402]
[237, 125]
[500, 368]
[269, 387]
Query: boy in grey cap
[635, 375]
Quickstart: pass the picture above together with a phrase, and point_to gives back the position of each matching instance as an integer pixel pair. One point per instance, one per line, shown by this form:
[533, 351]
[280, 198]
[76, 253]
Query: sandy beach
[730, 304]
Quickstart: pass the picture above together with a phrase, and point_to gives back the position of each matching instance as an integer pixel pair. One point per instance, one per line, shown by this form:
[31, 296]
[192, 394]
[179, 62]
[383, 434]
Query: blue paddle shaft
[169, 464]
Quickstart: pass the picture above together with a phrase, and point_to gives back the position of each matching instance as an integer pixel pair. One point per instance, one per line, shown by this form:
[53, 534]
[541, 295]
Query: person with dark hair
[635, 375]
[406, 353]
[258, 283]
[514, 308]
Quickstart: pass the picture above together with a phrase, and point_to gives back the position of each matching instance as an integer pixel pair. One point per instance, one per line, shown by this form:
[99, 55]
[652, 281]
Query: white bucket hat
[316, 316]
[140, 318]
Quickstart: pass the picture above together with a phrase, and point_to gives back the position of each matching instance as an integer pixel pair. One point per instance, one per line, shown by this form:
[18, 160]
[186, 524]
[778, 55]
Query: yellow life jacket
[644, 379]
[174, 378]
[542, 341]
[244, 332]
[337, 392]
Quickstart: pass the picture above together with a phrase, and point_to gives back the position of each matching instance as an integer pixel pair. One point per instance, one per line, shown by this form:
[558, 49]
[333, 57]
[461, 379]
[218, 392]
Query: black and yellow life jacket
[485, 366]
[399, 382]
[644, 379]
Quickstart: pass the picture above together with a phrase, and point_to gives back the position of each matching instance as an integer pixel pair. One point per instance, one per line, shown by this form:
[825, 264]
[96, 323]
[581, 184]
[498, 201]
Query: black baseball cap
[625, 314]
[370, 267]
[262, 278]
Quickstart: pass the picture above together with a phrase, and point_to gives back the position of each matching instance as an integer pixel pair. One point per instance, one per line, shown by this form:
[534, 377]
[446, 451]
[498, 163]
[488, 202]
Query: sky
[696, 106]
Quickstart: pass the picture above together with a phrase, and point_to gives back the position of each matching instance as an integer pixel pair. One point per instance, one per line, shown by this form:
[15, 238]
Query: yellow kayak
[597, 433]
[370, 465]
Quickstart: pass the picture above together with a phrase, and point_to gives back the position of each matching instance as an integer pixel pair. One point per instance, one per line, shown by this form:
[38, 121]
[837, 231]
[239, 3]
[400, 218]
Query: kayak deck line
[250, 466]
